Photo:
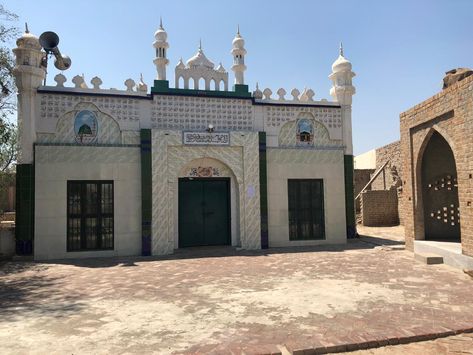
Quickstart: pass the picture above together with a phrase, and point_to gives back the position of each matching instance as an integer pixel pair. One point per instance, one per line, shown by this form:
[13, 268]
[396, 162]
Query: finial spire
[200, 44]
[26, 28]
[341, 49]
[238, 29]
[161, 23]
[257, 87]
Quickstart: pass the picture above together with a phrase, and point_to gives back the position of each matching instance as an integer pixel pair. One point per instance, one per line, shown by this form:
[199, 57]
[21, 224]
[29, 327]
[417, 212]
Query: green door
[204, 212]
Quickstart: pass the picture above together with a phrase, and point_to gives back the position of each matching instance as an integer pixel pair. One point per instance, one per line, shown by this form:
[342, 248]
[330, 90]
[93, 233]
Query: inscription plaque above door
[206, 138]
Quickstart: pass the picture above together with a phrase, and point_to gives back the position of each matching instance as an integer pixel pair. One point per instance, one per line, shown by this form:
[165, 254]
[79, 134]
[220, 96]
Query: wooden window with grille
[89, 215]
[306, 209]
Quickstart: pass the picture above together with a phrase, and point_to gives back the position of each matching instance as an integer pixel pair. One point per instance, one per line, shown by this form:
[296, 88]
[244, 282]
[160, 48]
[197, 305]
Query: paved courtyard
[246, 302]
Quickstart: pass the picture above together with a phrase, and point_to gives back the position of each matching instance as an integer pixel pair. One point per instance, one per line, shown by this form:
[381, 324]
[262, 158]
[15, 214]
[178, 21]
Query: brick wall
[450, 113]
[392, 153]
[379, 208]
[361, 177]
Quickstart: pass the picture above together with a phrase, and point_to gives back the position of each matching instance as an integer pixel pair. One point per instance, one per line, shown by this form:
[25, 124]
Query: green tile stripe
[162, 87]
[349, 196]
[24, 226]
[146, 191]
[263, 188]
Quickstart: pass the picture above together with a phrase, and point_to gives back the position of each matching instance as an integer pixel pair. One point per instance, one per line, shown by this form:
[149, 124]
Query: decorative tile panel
[196, 113]
[87, 154]
[299, 156]
[108, 129]
[131, 137]
[170, 159]
[330, 117]
[288, 135]
[53, 106]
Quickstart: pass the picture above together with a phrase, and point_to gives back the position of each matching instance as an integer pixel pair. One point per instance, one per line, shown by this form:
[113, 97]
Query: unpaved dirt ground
[251, 302]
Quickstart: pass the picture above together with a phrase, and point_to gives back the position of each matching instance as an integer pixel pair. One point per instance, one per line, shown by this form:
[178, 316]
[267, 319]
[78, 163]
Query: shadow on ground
[361, 243]
[34, 292]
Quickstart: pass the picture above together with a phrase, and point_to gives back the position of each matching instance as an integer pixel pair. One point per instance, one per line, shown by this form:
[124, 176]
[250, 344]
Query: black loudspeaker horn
[49, 41]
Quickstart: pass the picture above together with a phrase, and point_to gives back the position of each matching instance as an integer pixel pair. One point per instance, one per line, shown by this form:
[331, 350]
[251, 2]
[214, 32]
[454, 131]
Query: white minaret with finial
[161, 45]
[342, 91]
[29, 74]
[239, 52]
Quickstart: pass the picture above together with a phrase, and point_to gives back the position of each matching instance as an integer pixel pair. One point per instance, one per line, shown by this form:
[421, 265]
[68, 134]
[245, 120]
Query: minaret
[29, 75]
[238, 52]
[161, 46]
[342, 91]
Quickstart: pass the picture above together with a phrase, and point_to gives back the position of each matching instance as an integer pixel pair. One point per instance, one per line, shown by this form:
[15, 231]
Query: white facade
[304, 139]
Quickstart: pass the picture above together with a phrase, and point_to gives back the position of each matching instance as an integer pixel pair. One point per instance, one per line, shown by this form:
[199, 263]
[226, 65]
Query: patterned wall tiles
[192, 112]
[288, 135]
[331, 117]
[131, 137]
[52, 106]
[298, 156]
[88, 154]
[170, 157]
[108, 131]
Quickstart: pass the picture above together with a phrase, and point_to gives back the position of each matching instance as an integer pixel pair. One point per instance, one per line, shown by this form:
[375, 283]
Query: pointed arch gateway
[439, 189]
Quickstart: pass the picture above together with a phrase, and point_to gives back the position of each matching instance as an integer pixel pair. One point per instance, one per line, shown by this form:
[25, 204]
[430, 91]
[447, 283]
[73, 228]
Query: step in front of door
[428, 258]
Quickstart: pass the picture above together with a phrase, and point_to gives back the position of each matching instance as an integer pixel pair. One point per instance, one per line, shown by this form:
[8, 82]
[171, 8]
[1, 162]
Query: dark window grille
[89, 215]
[305, 137]
[306, 209]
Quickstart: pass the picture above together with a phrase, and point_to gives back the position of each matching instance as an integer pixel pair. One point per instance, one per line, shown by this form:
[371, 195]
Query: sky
[400, 50]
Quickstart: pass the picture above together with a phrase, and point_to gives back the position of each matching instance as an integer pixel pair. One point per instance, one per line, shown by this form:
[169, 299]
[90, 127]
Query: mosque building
[108, 172]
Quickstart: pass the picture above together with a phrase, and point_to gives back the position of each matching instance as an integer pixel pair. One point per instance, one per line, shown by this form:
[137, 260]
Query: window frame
[83, 215]
[313, 209]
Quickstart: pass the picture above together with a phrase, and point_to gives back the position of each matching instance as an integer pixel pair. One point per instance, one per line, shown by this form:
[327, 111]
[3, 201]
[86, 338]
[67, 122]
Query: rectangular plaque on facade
[206, 138]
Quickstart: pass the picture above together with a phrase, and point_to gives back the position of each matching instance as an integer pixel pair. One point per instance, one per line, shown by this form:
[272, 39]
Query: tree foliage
[8, 131]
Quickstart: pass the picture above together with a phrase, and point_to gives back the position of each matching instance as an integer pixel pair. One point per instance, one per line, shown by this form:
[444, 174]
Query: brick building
[437, 155]
[378, 204]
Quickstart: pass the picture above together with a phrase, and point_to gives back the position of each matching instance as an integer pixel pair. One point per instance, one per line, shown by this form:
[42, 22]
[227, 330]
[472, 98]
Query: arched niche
[437, 184]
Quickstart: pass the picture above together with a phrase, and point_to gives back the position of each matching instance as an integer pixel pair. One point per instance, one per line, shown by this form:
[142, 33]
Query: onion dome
[161, 35]
[200, 60]
[238, 41]
[180, 64]
[341, 64]
[28, 40]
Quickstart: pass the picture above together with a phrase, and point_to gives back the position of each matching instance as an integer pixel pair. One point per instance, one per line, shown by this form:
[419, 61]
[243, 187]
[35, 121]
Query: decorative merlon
[295, 94]
[96, 82]
[60, 79]
[80, 85]
[306, 96]
[281, 92]
[130, 84]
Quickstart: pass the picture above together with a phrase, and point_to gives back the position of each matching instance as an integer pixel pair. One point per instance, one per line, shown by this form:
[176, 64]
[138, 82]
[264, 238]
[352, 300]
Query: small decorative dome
[341, 64]
[220, 68]
[161, 35]
[180, 64]
[200, 60]
[257, 94]
[238, 41]
[28, 40]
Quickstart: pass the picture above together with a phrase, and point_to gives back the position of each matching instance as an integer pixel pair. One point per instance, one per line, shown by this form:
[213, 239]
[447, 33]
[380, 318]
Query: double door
[204, 212]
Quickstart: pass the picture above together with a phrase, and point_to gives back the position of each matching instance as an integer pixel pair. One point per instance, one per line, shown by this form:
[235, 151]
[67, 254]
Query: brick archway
[438, 189]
